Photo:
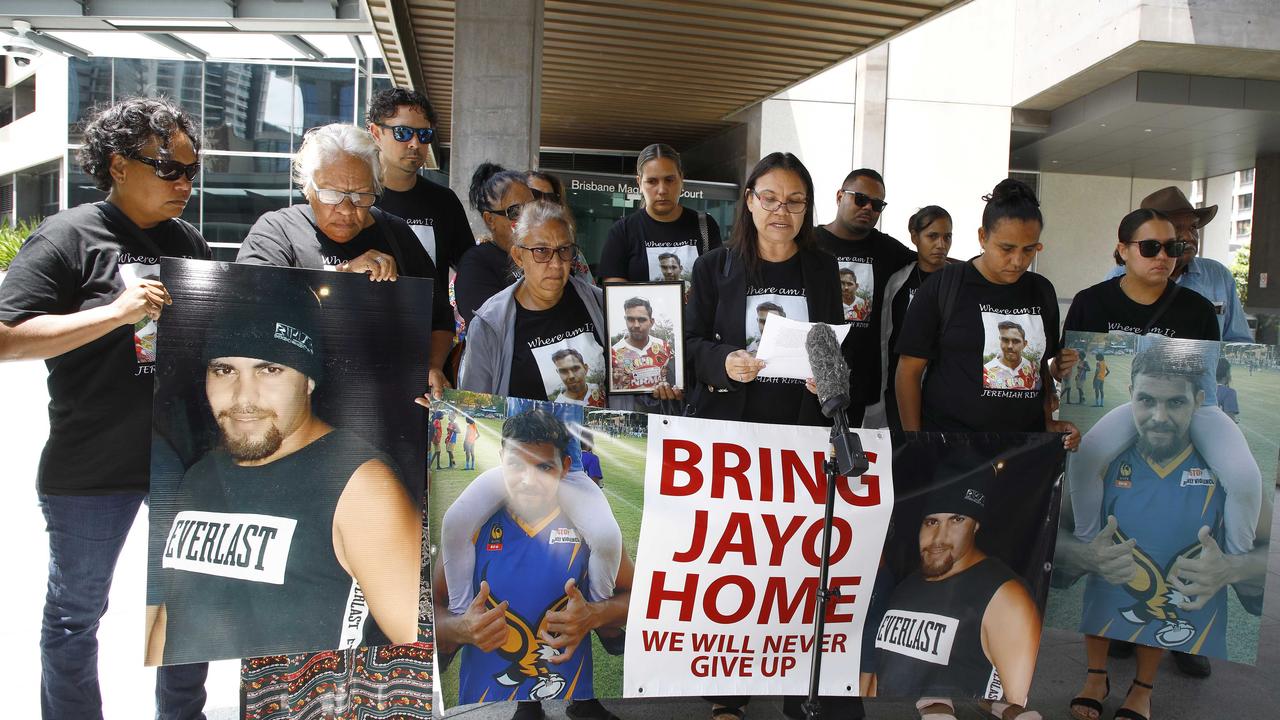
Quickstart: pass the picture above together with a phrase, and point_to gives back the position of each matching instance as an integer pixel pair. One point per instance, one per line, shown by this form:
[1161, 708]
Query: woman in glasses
[339, 229]
[1146, 301]
[663, 241]
[497, 194]
[771, 266]
[542, 338]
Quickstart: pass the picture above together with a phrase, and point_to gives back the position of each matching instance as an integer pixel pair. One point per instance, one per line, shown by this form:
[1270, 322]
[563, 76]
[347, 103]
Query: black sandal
[1127, 714]
[1088, 702]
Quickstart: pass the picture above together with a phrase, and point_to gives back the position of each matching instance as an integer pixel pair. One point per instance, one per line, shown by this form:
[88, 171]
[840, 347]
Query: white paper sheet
[782, 347]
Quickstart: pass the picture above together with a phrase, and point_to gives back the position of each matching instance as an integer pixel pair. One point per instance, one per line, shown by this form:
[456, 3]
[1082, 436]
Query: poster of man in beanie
[288, 462]
[966, 561]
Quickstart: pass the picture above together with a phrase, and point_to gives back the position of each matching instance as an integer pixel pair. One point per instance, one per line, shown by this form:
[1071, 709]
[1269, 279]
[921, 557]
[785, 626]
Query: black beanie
[961, 481]
[277, 333]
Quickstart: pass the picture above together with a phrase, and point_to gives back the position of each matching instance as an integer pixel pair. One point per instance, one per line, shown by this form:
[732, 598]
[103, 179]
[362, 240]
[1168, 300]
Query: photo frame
[654, 354]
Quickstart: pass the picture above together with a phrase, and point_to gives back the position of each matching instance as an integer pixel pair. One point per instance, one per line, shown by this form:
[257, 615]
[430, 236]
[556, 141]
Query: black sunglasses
[402, 133]
[862, 199]
[512, 212]
[170, 170]
[1151, 248]
[548, 196]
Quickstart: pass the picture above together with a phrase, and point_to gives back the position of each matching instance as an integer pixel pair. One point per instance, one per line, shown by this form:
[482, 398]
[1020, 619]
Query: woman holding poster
[542, 338]
[1143, 300]
[771, 266]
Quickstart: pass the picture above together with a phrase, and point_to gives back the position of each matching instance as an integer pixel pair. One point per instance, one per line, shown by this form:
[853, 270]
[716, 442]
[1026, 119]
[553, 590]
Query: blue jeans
[86, 534]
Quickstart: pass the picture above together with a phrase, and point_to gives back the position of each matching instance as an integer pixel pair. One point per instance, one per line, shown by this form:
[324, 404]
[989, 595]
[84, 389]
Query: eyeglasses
[335, 197]
[170, 170]
[1151, 248]
[548, 196]
[542, 254]
[512, 212]
[770, 204]
[862, 199]
[402, 133]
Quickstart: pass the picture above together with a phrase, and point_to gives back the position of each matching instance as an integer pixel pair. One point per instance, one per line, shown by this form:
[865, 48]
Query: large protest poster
[288, 463]
[1166, 524]
[535, 510]
[727, 572]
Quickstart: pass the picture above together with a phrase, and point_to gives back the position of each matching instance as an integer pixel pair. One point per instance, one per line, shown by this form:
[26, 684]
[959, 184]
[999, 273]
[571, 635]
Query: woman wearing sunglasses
[662, 242]
[542, 338]
[549, 187]
[1146, 301]
[771, 265]
[497, 194]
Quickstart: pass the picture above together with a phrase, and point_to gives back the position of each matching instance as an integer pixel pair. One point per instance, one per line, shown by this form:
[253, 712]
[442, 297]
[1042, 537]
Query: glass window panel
[174, 79]
[248, 107]
[239, 189]
[327, 96]
[88, 84]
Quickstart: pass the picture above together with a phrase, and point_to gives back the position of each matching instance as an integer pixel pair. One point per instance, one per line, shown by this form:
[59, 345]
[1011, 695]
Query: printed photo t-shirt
[865, 268]
[436, 218]
[557, 355]
[779, 290]
[100, 393]
[1105, 308]
[640, 248]
[986, 369]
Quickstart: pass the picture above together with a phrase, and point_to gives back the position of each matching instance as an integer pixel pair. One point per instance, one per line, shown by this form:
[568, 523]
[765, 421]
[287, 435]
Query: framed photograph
[645, 326]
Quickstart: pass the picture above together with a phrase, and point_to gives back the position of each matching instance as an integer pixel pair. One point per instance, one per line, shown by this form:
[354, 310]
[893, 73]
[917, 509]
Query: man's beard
[247, 447]
[937, 568]
[1013, 360]
[1164, 451]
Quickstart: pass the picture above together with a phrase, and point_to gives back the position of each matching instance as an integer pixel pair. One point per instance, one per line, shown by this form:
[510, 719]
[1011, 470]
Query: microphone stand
[845, 458]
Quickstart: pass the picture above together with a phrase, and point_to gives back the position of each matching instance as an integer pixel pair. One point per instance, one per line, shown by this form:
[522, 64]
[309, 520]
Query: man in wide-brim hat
[1208, 277]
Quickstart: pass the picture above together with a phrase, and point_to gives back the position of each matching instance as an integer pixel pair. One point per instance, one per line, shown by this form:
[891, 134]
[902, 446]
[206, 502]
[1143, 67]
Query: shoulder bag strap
[702, 230]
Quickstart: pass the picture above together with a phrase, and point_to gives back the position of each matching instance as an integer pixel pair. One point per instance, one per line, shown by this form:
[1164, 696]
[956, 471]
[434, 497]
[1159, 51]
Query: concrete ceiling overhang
[1154, 125]
[616, 74]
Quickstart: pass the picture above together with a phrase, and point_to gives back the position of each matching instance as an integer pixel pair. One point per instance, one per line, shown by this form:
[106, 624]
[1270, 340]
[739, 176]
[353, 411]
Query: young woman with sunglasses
[549, 187]
[497, 194]
[632, 251]
[1146, 301]
[542, 338]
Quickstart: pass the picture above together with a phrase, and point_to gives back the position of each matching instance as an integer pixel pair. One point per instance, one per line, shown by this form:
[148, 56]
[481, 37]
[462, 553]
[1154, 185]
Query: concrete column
[497, 89]
[1264, 257]
[872, 95]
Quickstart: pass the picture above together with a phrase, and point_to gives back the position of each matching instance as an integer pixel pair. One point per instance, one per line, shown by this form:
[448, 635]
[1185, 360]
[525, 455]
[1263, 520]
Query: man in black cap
[964, 624]
[291, 533]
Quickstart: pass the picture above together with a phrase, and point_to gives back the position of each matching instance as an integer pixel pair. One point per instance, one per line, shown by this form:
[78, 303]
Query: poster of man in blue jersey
[532, 564]
[1168, 516]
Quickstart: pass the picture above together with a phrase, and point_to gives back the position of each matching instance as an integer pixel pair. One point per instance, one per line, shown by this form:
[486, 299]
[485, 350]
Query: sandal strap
[1127, 714]
[1097, 671]
[1141, 684]
[1086, 702]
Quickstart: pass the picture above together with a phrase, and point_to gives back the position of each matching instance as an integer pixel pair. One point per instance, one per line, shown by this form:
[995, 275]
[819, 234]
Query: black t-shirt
[636, 243]
[290, 238]
[536, 374]
[899, 303]
[779, 289]
[983, 377]
[482, 273]
[436, 218]
[99, 393]
[872, 260]
[1105, 308]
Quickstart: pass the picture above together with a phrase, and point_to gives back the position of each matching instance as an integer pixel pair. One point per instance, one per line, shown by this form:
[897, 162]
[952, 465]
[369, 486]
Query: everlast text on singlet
[237, 545]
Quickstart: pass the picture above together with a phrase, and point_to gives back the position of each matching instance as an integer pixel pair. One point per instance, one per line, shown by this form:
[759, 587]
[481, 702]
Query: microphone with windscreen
[830, 372]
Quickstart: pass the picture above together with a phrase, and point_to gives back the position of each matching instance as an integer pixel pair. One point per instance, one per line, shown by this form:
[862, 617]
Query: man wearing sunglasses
[81, 294]
[403, 124]
[1208, 277]
[854, 241]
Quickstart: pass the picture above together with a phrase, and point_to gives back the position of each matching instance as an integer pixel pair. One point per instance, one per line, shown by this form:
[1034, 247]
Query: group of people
[979, 352]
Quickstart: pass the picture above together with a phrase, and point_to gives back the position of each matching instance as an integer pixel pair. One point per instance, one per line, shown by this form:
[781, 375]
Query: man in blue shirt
[1208, 277]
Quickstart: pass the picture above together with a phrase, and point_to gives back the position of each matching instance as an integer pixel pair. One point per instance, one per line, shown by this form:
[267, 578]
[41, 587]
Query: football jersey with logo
[527, 567]
[642, 368]
[1163, 507]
